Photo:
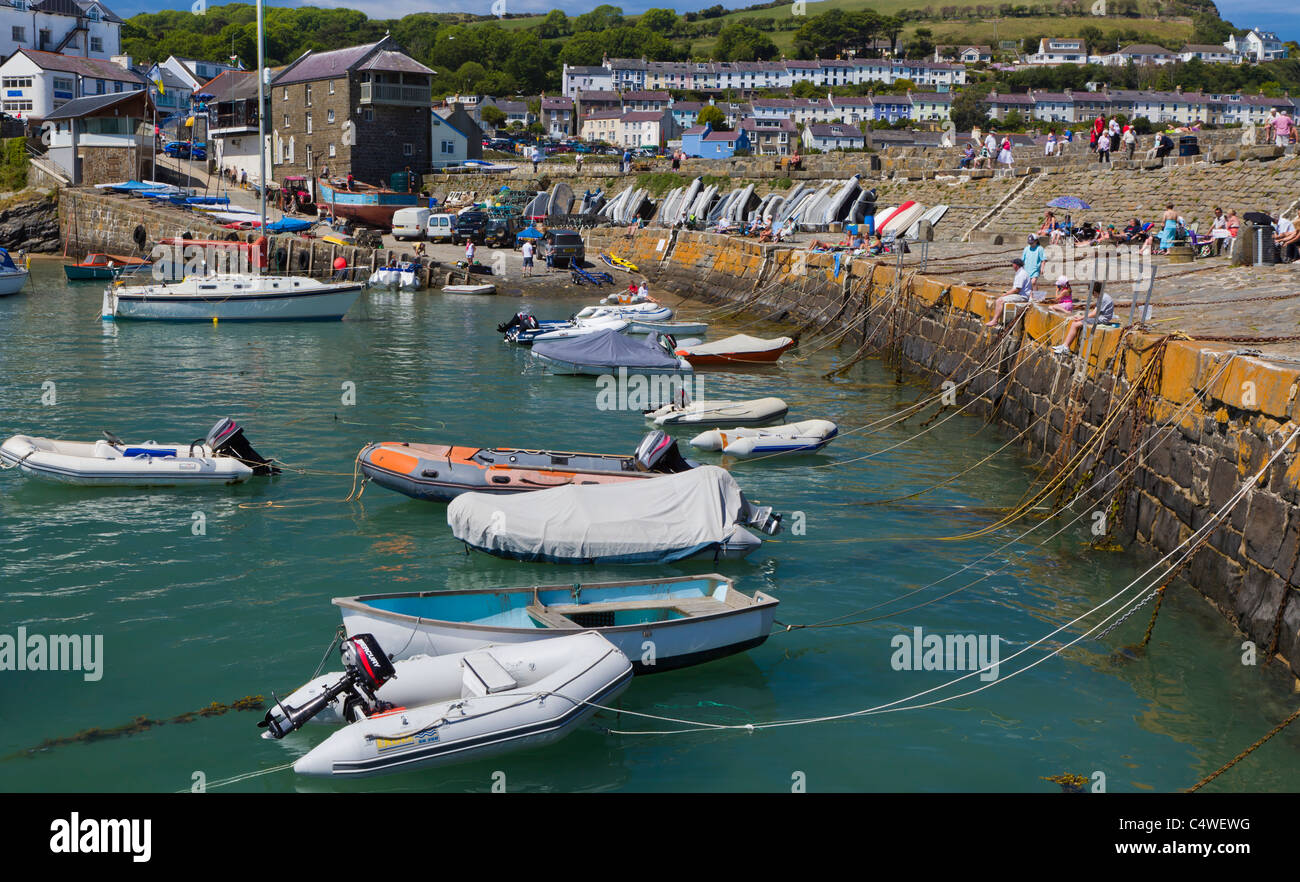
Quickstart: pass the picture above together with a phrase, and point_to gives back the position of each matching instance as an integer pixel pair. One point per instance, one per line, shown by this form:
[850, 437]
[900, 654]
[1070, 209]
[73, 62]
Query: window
[286, 93]
[21, 83]
[331, 87]
[309, 123]
[448, 146]
[286, 120]
[93, 14]
[370, 114]
[45, 36]
[308, 92]
[99, 87]
[20, 35]
[96, 44]
[309, 156]
[331, 151]
[329, 116]
[11, 106]
[408, 150]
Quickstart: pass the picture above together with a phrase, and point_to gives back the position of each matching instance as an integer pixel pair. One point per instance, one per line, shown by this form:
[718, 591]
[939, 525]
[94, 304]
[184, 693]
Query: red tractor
[295, 195]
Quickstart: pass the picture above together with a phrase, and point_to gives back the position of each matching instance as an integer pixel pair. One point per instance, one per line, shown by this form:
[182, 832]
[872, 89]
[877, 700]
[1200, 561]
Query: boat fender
[140, 236]
[260, 249]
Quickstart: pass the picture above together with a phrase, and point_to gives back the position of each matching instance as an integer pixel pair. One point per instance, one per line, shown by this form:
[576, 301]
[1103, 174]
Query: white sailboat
[237, 296]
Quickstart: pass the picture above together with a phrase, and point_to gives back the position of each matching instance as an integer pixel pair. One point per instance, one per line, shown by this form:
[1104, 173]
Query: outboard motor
[658, 452]
[516, 322]
[226, 438]
[366, 668]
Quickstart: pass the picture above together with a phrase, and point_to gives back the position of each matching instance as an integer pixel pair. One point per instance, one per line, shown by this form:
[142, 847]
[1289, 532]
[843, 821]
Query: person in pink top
[1283, 129]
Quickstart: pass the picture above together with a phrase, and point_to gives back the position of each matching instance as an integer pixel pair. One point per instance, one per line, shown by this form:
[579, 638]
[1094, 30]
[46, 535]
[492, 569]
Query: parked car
[502, 231]
[440, 227]
[470, 226]
[185, 150]
[564, 248]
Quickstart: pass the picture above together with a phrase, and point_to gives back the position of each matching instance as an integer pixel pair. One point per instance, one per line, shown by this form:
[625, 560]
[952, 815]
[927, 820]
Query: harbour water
[211, 595]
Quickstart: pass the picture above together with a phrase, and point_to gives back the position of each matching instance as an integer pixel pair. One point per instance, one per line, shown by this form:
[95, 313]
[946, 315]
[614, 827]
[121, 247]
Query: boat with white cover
[806, 436]
[235, 297]
[607, 351]
[720, 412]
[691, 619]
[224, 456]
[737, 349]
[427, 711]
[700, 513]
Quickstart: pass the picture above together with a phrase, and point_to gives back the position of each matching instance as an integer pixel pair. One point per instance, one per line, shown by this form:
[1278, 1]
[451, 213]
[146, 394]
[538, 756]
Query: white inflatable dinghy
[223, 457]
[469, 289]
[429, 711]
[720, 412]
[807, 436]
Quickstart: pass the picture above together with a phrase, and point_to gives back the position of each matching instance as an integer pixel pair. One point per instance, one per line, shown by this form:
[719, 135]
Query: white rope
[893, 706]
[244, 777]
[1167, 429]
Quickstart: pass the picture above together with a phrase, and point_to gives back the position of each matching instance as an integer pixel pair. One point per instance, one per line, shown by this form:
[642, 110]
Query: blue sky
[1275, 15]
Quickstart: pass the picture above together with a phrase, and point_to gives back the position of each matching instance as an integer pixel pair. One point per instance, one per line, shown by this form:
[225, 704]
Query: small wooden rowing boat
[104, 266]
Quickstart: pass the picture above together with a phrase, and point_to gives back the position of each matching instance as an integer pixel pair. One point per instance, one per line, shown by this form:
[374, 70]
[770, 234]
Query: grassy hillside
[938, 16]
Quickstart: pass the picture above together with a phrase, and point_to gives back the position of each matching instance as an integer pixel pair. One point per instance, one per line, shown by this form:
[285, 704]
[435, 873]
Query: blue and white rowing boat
[690, 620]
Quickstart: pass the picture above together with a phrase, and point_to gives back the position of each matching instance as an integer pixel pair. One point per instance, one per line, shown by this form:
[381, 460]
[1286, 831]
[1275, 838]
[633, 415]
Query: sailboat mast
[261, 120]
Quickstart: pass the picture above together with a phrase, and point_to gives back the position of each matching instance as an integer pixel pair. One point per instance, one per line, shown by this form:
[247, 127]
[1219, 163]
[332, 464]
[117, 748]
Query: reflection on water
[244, 608]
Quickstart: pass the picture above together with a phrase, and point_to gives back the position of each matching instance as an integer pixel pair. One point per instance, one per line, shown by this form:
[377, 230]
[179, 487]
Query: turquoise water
[244, 609]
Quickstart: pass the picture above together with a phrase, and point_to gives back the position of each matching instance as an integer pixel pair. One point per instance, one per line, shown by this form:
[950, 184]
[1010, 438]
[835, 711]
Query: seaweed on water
[142, 724]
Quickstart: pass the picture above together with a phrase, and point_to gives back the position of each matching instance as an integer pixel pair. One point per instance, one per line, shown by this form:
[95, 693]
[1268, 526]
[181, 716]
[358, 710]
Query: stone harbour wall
[1232, 411]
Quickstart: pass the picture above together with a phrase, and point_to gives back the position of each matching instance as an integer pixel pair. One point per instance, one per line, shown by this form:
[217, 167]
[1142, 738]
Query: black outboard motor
[226, 438]
[366, 668]
[658, 452]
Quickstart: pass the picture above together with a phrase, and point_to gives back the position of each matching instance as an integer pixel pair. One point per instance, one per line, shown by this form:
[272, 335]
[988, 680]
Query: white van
[440, 226]
[409, 223]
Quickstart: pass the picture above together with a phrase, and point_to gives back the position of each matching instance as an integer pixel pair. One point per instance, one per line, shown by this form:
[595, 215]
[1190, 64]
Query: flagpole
[261, 121]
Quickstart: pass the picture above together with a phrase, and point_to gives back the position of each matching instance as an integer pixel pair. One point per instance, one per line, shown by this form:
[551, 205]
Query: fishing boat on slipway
[364, 203]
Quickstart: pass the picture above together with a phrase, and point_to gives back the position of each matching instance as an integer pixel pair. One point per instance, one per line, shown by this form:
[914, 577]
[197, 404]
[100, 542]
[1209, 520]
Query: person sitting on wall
[796, 161]
[967, 157]
[1022, 289]
[1164, 145]
[1064, 297]
[1103, 312]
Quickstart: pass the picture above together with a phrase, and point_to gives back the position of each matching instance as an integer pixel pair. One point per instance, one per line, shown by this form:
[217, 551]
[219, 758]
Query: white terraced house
[37, 83]
[1257, 45]
[1139, 53]
[73, 27]
[1059, 50]
[1209, 54]
[833, 137]
[586, 79]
